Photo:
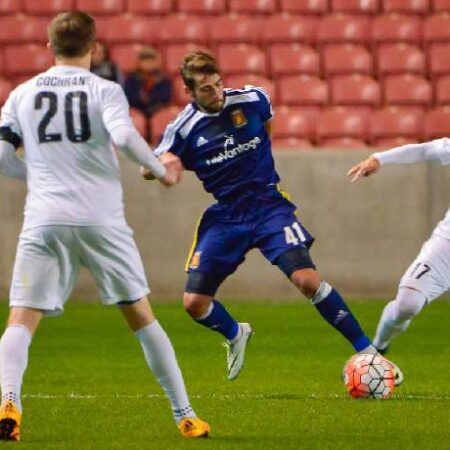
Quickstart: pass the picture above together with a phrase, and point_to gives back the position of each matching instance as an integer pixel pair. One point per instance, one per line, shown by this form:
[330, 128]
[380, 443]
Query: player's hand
[364, 169]
[170, 178]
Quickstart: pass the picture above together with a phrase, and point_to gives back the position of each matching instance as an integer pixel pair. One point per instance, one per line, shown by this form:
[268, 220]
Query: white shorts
[49, 258]
[430, 271]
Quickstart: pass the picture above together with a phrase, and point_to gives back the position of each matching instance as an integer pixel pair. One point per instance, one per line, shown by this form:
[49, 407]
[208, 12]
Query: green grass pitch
[87, 385]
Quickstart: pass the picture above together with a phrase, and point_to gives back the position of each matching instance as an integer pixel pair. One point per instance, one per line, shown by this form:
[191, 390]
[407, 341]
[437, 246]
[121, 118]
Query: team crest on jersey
[238, 118]
[195, 260]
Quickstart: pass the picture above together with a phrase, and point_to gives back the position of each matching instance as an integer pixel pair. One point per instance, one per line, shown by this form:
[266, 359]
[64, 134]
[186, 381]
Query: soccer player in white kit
[428, 276]
[67, 120]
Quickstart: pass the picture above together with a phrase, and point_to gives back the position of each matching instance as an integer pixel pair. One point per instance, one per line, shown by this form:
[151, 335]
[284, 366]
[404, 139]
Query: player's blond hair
[71, 34]
[197, 63]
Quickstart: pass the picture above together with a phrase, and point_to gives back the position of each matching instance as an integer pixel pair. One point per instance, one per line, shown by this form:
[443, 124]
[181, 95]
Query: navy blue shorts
[228, 230]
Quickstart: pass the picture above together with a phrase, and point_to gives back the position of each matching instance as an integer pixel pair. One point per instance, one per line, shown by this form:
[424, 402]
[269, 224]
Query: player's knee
[196, 304]
[307, 281]
[409, 303]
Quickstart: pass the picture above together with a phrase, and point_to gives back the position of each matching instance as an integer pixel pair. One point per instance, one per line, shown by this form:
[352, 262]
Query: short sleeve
[116, 111]
[171, 140]
[444, 152]
[10, 129]
[265, 105]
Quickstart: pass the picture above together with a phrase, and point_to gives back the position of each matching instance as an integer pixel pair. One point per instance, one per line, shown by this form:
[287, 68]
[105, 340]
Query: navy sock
[219, 320]
[334, 310]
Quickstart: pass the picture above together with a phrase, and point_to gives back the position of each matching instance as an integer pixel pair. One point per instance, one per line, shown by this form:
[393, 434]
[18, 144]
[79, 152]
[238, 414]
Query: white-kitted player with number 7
[428, 277]
[67, 120]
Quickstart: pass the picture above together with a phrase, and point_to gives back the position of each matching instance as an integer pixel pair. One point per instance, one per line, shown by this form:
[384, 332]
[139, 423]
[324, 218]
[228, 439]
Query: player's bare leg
[161, 359]
[14, 344]
[207, 311]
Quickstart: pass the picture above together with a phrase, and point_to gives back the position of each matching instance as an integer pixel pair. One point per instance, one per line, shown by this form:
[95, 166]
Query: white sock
[13, 361]
[160, 357]
[397, 316]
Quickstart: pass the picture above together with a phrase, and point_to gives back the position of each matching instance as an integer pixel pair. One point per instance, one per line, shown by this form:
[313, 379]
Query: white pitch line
[75, 396]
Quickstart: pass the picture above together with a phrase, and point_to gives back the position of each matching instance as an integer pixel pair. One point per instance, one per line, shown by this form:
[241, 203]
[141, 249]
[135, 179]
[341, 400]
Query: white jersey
[437, 150]
[64, 118]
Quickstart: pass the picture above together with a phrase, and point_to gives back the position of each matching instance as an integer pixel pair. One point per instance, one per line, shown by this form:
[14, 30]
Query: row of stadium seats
[335, 127]
[284, 28]
[277, 60]
[213, 7]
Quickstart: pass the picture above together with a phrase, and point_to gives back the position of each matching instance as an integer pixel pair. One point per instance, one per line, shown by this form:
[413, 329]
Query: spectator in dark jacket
[103, 66]
[148, 88]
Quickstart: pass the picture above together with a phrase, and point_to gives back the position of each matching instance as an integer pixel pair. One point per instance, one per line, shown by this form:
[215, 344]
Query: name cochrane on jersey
[63, 81]
[233, 152]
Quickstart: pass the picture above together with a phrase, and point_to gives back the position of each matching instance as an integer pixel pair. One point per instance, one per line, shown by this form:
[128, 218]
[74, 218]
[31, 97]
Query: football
[369, 376]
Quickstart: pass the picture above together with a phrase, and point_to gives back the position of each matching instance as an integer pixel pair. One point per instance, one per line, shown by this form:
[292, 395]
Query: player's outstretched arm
[10, 164]
[437, 150]
[174, 168]
[364, 169]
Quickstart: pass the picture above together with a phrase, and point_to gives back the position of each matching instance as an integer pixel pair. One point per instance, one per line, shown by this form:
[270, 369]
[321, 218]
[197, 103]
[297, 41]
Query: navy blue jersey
[229, 151]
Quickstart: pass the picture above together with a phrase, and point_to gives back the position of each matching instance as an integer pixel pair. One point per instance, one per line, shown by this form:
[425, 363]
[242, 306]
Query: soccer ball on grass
[369, 376]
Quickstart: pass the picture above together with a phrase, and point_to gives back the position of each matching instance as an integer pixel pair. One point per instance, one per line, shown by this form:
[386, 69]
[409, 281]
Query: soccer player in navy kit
[224, 137]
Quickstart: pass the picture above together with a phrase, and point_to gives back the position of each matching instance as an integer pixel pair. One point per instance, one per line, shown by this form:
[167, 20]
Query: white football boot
[236, 351]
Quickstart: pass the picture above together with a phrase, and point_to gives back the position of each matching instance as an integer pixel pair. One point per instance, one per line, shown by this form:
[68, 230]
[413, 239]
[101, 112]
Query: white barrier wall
[366, 233]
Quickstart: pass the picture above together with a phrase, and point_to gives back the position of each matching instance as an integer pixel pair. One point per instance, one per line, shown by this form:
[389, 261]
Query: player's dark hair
[197, 63]
[71, 34]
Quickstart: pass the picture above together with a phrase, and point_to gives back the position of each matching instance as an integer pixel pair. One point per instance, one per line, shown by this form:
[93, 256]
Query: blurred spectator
[103, 66]
[148, 88]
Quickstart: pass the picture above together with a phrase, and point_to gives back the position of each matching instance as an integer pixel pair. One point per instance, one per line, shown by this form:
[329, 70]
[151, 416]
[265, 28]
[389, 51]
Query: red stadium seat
[125, 56]
[48, 7]
[291, 143]
[390, 28]
[439, 60]
[180, 97]
[139, 121]
[99, 7]
[437, 123]
[174, 54]
[160, 120]
[182, 29]
[201, 7]
[235, 29]
[293, 59]
[241, 59]
[23, 29]
[239, 81]
[440, 5]
[407, 6]
[400, 58]
[342, 127]
[355, 6]
[407, 90]
[26, 59]
[133, 29]
[355, 90]
[5, 88]
[345, 59]
[343, 28]
[292, 122]
[151, 7]
[302, 90]
[253, 6]
[2, 65]
[442, 90]
[290, 29]
[437, 28]
[11, 6]
[393, 126]
[304, 6]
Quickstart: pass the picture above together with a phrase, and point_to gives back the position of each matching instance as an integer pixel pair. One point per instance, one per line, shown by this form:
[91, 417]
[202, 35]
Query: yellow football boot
[194, 427]
[10, 418]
